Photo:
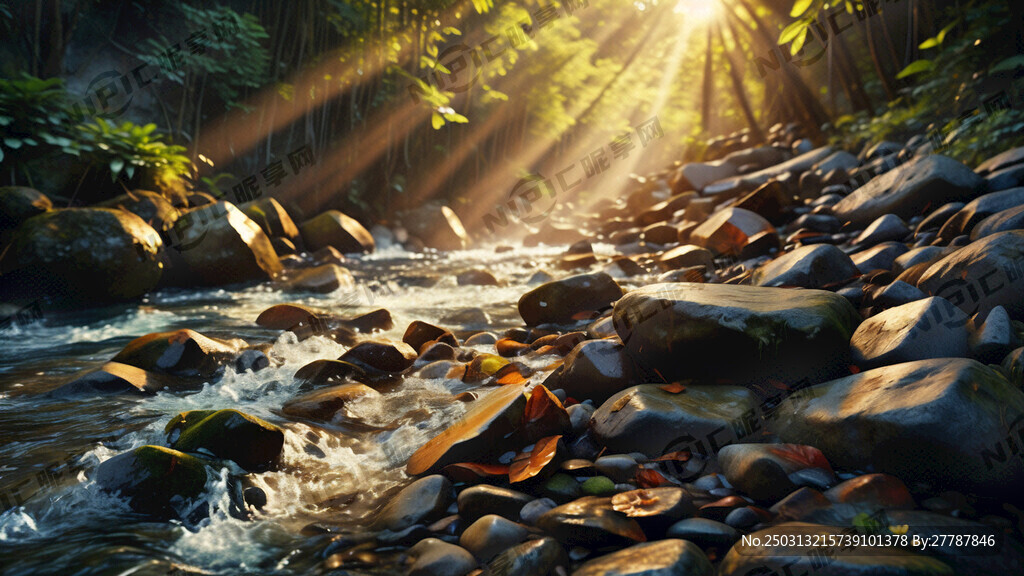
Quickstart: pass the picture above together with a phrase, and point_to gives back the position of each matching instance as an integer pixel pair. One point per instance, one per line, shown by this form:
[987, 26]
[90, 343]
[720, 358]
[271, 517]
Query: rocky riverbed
[817, 348]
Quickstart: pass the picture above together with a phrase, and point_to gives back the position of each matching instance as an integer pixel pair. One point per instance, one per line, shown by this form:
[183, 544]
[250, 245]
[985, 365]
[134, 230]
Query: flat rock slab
[743, 334]
[909, 190]
[942, 421]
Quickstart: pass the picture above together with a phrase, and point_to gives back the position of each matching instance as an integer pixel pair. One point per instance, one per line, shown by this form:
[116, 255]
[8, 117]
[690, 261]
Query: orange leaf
[854, 369]
[471, 472]
[680, 456]
[585, 315]
[673, 388]
[802, 456]
[509, 374]
[526, 466]
[508, 347]
[544, 415]
[649, 478]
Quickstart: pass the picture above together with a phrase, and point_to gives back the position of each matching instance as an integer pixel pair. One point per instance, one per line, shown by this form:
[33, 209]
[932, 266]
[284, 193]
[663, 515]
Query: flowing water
[57, 521]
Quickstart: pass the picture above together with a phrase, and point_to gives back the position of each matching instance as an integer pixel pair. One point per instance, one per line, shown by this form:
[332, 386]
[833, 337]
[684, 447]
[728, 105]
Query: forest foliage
[382, 85]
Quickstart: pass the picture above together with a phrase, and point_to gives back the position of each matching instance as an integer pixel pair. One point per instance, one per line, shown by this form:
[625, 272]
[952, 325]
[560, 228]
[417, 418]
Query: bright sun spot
[697, 11]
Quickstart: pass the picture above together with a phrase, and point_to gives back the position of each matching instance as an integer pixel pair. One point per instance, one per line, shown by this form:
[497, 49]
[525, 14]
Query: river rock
[908, 190]
[940, 421]
[814, 266]
[929, 328]
[541, 556]
[994, 339]
[879, 257]
[695, 176]
[662, 558]
[886, 229]
[763, 471]
[917, 256]
[749, 559]
[321, 279]
[484, 430]
[1010, 219]
[591, 522]
[937, 218]
[896, 293]
[116, 378]
[595, 370]
[728, 231]
[655, 509]
[742, 333]
[1005, 179]
[333, 228]
[476, 502]
[704, 533]
[85, 255]
[157, 481]
[420, 333]
[252, 443]
[752, 180]
[491, 535]
[653, 421]
[433, 557]
[180, 353]
[876, 490]
[559, 301]
[437, 226]
[324, 404]
[153, 208]
[423, 501]
[685, 256]
[380, 358]
[964, 221]
[273, 219]
[217, 244]
[982, 275]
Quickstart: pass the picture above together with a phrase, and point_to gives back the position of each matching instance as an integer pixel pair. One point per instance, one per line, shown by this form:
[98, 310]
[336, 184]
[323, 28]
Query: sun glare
[697, 11]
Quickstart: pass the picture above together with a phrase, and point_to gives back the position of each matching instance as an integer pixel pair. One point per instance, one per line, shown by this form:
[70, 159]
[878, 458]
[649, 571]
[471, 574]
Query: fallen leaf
[801, 456]
[473, 472]
[673, 388]
[650, 478]
[526, 465]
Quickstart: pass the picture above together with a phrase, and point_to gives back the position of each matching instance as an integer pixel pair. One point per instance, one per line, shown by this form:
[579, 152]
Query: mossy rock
[88, 255]
[252, 443]
[157, 481]
[19, 203]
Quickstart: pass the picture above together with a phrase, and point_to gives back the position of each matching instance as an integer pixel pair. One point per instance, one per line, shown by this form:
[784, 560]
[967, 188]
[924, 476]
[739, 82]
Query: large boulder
[943, 422]
[651, 420]
[87, 255]
[814, 266]
[179, 352]
[117, 378]
[333, 228]
[909, 190]
[156, 480]
[557, 302]
[929, 328]
[982, 275]
[437, 226]
[744, 334]
[217, 244]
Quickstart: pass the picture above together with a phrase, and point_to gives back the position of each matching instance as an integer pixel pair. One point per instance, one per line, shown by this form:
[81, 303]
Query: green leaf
[799, 7]
[916, 67]
[1009, 64]
[798, 43]
[13, 143]
[929, 43]
[456, 117]
[790, 32]
[944, 31]
[437, 121]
